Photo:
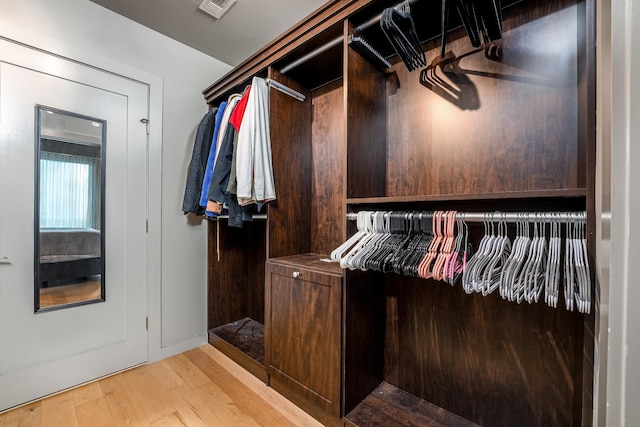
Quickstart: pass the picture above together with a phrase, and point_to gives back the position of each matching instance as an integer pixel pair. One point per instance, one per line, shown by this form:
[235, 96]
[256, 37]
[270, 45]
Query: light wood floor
[67, 294]
[200, 387]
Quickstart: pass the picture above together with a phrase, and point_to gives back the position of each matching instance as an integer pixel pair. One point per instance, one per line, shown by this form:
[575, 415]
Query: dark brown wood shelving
[516, 134]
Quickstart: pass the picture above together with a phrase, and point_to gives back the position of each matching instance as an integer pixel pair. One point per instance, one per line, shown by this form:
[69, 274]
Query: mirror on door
[69, 209]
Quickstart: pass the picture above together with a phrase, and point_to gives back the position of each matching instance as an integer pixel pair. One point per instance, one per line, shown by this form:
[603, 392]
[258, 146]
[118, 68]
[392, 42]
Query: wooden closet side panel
[290, 130]
[587, 137]
[328, 211]
[491, 126]
[363, 336]
[366, 126]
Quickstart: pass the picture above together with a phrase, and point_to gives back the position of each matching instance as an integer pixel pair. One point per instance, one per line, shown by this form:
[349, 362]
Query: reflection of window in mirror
[69, 200]
[69, 185]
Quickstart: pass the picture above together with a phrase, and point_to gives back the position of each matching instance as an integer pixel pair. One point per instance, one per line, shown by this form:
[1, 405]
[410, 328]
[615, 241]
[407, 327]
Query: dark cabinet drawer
[303, 331]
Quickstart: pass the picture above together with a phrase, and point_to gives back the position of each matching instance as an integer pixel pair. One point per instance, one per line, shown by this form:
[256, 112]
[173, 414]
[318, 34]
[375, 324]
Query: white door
[48, 351]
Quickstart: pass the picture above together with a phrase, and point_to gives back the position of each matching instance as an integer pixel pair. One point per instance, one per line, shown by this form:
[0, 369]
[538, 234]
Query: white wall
[86, 32]
[622, 366]
[603, 208]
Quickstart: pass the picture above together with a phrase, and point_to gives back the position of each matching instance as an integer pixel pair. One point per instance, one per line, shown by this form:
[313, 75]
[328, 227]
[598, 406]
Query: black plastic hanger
[399, 28]
[480, 17]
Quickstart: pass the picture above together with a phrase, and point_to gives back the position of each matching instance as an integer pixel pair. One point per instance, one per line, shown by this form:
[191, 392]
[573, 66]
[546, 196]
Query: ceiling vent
[216, 8]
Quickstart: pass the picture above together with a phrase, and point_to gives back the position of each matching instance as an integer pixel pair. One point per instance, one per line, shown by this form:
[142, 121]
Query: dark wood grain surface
[491, 361]
[490, 126]
[236, 280]
[363, 344]
[290, 128]
[327, 210]
[246, 335]
[243, 342]
[304, 330]
[366, 123]
[587, 138]
[390, 406]
[516, 133]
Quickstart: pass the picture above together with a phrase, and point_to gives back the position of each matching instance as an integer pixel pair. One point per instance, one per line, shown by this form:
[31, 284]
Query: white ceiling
[244, 29]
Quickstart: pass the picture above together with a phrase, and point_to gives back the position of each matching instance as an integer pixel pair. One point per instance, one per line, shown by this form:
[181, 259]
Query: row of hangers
[531, 265]
[435, 245]
[413, 244]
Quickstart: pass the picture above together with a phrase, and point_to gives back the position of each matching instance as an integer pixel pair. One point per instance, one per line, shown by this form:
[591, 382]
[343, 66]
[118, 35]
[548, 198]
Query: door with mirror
[69, 209]
[73, 209]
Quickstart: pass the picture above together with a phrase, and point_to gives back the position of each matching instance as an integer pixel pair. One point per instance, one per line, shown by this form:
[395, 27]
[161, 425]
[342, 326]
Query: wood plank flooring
[67, 294]
[200, 387]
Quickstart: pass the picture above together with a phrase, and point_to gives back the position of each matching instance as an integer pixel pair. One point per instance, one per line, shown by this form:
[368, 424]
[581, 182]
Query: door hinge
[146, 122]
[147, 323]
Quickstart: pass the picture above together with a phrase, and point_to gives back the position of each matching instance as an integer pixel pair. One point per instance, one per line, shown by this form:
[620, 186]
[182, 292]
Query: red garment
[238, 112]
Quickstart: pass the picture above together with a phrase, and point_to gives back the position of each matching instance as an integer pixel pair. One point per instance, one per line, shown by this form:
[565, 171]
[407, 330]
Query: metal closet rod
[285, 89]
[336, 41]
[562, 217]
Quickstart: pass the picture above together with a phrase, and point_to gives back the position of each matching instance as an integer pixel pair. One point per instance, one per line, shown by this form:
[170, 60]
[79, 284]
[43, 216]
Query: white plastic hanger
[516, 259]
[569, 268]
[552, 276]
[472, 276]
[371, 243]
[345, 259]
[362, 223]
[583, 280]
[499, 257]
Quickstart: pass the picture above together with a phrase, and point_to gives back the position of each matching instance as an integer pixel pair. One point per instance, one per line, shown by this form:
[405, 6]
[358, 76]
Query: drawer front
[303, 333]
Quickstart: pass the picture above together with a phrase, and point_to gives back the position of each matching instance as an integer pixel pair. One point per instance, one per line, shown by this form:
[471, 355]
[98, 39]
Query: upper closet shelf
[573, 192]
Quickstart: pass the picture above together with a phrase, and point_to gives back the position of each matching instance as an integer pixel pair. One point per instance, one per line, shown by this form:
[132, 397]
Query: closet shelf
[219, 217]
[243, 341]
[560, 193]
[389, 405]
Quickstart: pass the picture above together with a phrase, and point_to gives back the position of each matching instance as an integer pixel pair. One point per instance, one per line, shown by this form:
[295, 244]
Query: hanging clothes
[232, 103]
[237, 214]
[198, 163]
[236, 122]
[206, 181]
[220, 179]
[213, 206]
[254, 170]
[218, 190]
[238, 113]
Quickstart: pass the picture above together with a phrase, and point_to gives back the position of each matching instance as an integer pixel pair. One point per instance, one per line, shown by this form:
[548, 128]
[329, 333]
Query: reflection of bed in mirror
[67, 254]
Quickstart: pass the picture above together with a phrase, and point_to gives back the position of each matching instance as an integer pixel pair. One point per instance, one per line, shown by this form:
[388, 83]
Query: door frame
[154, 83]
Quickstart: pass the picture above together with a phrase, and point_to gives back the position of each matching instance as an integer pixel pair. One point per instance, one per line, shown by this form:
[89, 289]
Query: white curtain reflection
[69, 191]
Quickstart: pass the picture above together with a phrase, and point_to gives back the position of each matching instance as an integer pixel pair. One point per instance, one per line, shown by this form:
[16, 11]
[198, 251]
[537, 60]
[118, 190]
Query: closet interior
[486, 123]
